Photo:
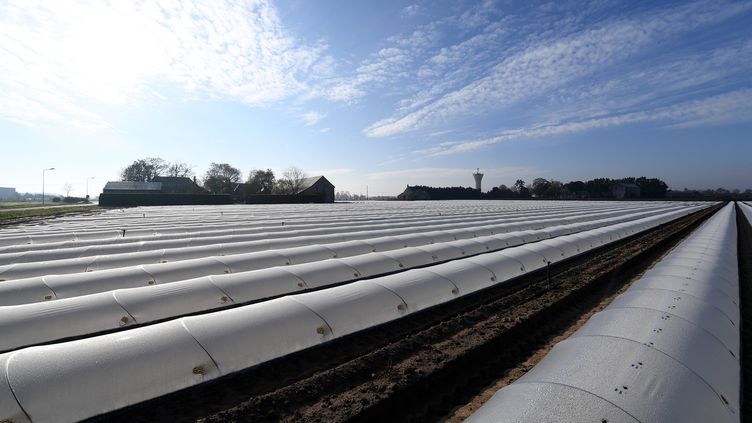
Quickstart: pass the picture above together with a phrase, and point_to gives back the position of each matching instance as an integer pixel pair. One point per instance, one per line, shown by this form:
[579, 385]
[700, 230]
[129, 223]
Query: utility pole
[44, 170]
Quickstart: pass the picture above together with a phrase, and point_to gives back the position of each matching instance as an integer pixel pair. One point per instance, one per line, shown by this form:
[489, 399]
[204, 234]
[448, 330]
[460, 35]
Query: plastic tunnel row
[53, 264]
[73, 380]
[44, 252]
[226, 226]
[666, 350]
[41, 288]
[39, 322]
[173, 218]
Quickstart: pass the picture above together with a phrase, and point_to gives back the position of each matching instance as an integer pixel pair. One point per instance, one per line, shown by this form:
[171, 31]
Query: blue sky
[379, 94]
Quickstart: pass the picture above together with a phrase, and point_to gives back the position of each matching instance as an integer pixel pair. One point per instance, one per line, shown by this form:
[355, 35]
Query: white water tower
[478, 177]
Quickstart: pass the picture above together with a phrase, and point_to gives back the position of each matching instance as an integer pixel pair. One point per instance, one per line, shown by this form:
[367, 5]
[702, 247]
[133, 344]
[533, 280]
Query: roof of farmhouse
[133, 186]
[309, 182]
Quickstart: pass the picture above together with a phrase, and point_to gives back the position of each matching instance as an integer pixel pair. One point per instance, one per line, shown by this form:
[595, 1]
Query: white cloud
[411, 10]
[61, 60]
[727, 108]
[547, 65]
[325, 130]
[312, 118]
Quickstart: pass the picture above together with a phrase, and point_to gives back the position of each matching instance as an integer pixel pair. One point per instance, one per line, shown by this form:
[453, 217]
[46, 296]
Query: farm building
[179, 185]
[317, 186]
[161, 191]
[625, 190]
[132, 187]
[8, 194]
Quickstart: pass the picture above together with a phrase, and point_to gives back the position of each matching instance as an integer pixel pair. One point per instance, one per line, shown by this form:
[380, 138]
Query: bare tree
[144, 170]
[291, 181]
[179, 169]
[67, 187]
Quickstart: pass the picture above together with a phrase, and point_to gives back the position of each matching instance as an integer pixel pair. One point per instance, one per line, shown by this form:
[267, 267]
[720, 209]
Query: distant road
[47, 207]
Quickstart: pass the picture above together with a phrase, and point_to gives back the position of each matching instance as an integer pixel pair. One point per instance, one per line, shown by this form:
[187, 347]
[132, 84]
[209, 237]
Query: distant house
[8, 194]
[625, 190]
[420, 192]
[179, 185]
[162, 191]
[132, 187]
[317, 186]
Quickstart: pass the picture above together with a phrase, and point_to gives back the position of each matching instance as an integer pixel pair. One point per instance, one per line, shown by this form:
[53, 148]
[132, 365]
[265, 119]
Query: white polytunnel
[322, 273]
[27, 270]
[385, 243]
[177, 271]
[237, 263]
[410, 257]
[503, 267]
[308, 253]
[262, 332]
[531, 260]
[91, 376]
[41, 322]
[689, 269]
[667, 349]
[468, 276]
[419, 288]
[442, 251]
[471, 246]
[678, 338]
[367, 265]
[550, 253]
[550, 403]
[259, 284]
[353, 307]
[122, 260]
[350, 248]
[702, 291]
[24, 291]
[10, 410]
[697, 311]
[646, 383]
[148, 304]
[491, 243]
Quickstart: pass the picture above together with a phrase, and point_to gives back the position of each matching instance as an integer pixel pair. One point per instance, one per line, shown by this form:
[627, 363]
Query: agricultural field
[375, 311]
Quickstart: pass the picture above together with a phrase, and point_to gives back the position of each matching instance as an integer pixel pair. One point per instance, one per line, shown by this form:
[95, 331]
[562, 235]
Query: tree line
[220, 178]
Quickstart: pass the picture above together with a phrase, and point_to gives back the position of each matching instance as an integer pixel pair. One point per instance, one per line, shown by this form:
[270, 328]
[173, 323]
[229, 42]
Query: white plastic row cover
[39, 322]
[156, 251]
[665, 350]
[42, 288]
[73, 380]
[104, 237]
[171, 233]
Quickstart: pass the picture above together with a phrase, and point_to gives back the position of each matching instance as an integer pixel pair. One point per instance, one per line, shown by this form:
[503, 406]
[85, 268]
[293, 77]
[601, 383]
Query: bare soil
[438, 364]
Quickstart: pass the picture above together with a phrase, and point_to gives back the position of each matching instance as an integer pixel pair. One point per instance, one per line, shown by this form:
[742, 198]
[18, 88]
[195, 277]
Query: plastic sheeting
[550, 403]
[92, 376]
[265, 331]
[353, 307]
[642, 381]
[667, 349]
[154, 360]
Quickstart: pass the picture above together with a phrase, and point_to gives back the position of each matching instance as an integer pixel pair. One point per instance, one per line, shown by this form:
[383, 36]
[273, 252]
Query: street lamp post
[44, 170]
[87, 187]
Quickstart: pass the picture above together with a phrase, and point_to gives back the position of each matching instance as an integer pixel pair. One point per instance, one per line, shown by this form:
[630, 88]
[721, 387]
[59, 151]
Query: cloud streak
[544, 66]
[728, 108]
